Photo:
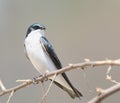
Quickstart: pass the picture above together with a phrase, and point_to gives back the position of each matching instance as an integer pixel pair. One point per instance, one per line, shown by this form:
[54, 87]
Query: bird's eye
[39, 27]
[36, 27]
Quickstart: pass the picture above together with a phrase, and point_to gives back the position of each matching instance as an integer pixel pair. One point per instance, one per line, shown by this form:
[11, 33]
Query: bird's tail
[64, 83]
[72, 92]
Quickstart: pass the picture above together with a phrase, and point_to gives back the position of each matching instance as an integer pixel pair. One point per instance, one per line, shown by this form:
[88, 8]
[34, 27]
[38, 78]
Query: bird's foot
[44, 77]
[36, 81]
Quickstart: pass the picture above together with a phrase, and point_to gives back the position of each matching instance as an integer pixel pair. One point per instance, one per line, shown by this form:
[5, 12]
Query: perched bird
[43, 57]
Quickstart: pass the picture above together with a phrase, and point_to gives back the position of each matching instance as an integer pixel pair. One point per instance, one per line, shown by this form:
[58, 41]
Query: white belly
[40, 59]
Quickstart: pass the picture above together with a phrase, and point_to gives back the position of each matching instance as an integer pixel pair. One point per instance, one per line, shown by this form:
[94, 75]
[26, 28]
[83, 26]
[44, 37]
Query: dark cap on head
[35, 26]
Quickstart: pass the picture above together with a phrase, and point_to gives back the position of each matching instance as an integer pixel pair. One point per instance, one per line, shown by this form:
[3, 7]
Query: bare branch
[2, 86]
[44, 96]
[83, 65]
[10, 96]
[16, 87]
[105, 93]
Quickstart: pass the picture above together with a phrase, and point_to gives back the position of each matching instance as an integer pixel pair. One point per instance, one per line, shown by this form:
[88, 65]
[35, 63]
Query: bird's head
[34, 27]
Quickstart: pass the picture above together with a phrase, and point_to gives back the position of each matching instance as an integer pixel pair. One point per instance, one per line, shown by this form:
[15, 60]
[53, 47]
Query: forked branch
[83, 65]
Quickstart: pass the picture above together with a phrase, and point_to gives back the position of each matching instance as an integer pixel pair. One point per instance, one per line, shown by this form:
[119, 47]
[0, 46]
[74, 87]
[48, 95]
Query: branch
[105, 93]
[45, 95]
[83, 65]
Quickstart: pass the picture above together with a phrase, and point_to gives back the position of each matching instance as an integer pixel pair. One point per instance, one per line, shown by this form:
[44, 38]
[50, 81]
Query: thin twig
[10, 96]
[16, 88]
[44, 96]
[2, 86]
[105, 93]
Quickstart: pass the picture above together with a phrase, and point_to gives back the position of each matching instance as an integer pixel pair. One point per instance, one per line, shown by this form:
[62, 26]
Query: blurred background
[78, 29]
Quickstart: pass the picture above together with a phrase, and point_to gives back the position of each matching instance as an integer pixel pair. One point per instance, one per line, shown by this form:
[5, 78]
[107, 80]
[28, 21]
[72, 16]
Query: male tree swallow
[43, 57]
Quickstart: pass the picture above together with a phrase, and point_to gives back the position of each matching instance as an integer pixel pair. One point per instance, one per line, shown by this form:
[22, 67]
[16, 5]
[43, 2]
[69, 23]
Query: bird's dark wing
[51, 53]
[47, 47]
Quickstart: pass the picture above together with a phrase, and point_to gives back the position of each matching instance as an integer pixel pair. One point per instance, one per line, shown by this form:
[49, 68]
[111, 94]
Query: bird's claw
[35, 81]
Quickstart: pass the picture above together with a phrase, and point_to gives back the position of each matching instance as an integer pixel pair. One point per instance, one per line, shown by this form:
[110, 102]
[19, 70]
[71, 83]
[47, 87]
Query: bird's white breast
[36, 54]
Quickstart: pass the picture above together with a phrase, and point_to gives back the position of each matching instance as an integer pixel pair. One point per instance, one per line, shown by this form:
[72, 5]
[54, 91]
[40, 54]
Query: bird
[43, 57]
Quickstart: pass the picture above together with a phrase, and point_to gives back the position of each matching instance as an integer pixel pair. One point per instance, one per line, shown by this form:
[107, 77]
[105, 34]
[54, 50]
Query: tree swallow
[43, 57]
